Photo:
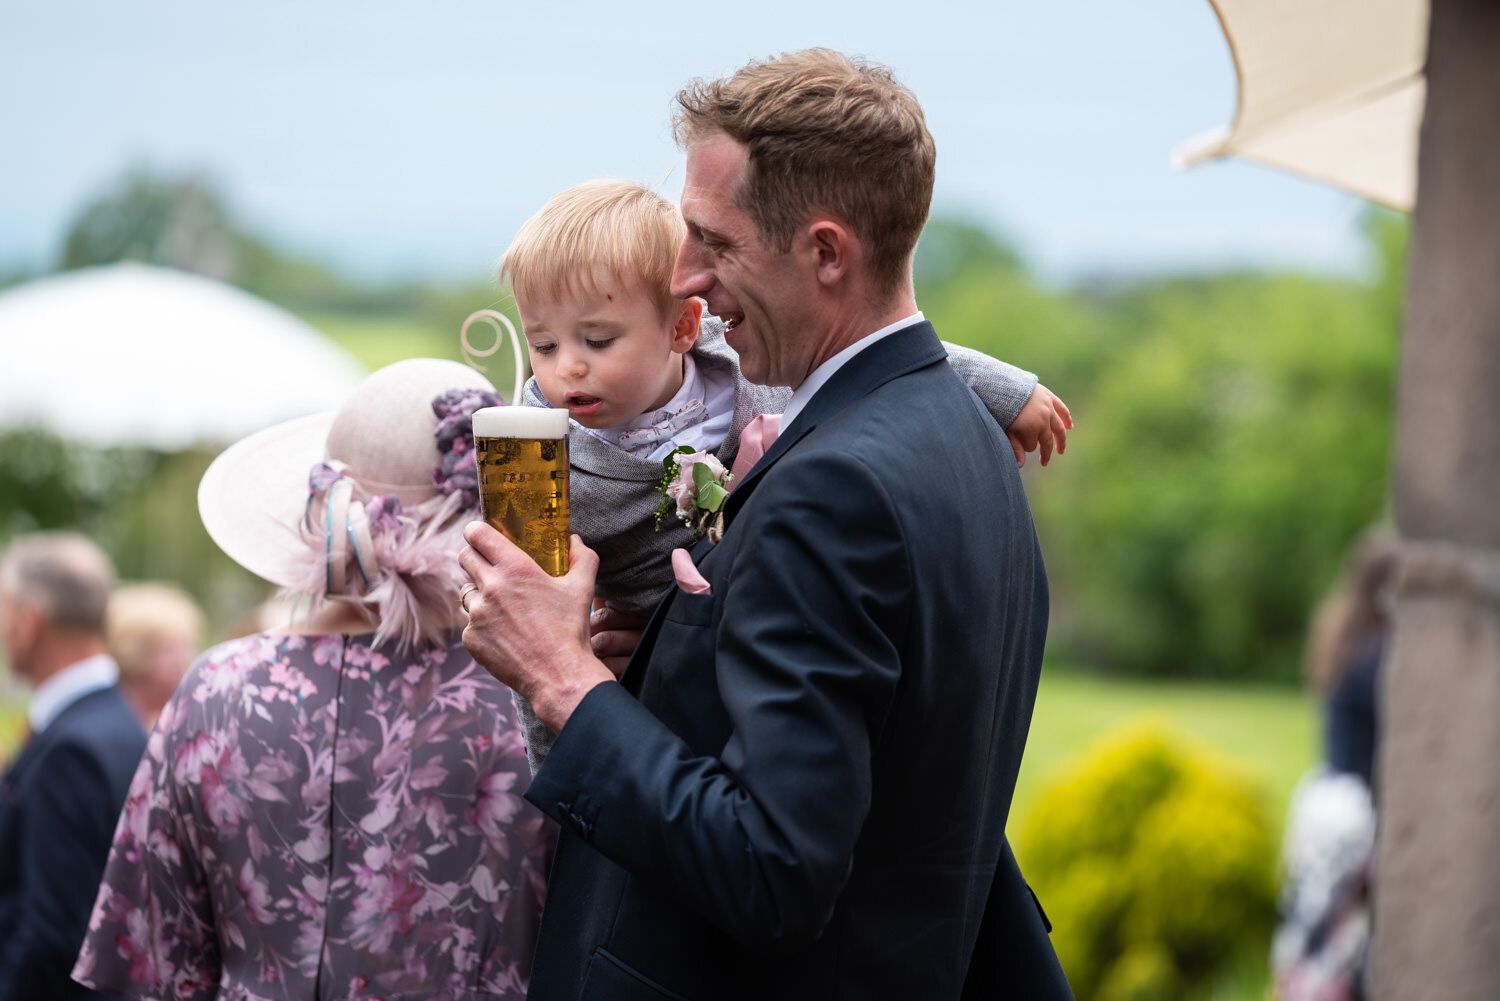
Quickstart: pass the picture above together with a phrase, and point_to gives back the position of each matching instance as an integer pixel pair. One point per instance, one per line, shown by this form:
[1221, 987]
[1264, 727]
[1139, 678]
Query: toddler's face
[607, 355]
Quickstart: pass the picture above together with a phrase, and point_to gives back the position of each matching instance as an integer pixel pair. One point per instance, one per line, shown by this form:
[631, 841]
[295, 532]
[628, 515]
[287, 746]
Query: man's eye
[543, 349]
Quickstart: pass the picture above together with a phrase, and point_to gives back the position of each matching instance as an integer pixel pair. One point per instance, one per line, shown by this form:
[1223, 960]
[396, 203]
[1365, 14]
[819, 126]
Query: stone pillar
[1437, 931]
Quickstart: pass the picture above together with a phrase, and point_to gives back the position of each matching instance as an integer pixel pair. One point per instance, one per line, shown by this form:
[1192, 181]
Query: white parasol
[141, 355]
[1330, 89]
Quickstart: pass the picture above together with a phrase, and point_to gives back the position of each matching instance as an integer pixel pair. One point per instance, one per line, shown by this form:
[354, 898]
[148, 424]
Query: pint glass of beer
[522, 453]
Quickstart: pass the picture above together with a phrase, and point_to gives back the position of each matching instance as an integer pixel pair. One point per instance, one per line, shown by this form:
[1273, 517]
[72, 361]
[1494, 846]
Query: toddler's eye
[543, 349]
[606, 342]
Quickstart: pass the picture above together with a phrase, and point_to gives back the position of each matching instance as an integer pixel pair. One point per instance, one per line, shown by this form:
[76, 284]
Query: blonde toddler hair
[622, 229]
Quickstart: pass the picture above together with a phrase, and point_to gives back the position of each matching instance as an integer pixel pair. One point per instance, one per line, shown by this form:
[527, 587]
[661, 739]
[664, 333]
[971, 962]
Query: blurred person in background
[1321, 948]
[269, 616]
[61, 798]
[333, 808]
[153, 631]
[1349, 637]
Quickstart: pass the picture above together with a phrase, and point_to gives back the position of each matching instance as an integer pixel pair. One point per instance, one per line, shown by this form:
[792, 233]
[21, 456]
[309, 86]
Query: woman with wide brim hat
[335, 809]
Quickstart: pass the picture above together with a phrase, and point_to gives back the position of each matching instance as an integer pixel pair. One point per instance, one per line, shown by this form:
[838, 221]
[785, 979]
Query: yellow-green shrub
[1156, 861]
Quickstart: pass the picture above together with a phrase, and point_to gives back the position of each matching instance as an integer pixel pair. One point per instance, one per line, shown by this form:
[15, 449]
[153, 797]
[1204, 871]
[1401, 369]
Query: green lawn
[1272, 731]
[12, 723]
[378, 341]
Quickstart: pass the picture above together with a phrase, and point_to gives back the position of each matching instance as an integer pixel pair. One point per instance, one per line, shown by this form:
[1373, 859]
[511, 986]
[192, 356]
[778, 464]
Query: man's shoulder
[928, 407]
[921, 439]
[100, 724]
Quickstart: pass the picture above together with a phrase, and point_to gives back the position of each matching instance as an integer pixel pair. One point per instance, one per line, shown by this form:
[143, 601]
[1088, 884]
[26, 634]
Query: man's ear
[685, 327]
[24, 623]
[833, 247]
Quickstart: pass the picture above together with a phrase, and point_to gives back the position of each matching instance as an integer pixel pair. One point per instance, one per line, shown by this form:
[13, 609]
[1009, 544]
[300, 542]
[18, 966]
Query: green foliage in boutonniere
[694, 484]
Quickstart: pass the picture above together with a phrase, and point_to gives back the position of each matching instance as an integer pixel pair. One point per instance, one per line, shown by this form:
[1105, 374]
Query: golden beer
[522, 454]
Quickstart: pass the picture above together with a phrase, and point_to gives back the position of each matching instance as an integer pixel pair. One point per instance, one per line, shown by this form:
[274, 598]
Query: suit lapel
[905, 351]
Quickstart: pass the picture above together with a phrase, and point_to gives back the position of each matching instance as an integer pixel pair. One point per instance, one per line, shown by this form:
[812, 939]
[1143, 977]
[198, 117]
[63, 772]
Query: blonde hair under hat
[362, 506]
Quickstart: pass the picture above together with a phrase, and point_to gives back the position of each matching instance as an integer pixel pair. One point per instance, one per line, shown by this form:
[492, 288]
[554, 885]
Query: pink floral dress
[313, 819]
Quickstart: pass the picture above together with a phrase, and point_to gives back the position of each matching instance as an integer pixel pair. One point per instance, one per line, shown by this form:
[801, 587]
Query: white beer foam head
[520, 422]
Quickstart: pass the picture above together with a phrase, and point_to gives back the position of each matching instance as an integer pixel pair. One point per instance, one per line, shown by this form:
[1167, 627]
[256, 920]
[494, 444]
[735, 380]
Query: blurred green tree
[49, 483]
[179, 222]
[1232, 440]
[183, 221]
[140, 505]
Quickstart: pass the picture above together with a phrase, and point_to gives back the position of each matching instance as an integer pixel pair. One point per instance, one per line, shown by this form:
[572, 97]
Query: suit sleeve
[759, 839]
[1001, 386]
[69, 813]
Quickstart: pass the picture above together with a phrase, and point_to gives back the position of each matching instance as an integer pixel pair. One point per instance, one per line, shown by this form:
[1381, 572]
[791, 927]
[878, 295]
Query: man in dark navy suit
[799, 787]
[62, 795]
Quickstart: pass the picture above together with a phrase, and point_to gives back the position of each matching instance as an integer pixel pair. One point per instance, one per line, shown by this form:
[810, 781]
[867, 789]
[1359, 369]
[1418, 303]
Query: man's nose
[691, 274]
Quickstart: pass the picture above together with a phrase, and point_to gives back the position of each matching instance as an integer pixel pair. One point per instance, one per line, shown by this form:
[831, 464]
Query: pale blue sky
[414, 138]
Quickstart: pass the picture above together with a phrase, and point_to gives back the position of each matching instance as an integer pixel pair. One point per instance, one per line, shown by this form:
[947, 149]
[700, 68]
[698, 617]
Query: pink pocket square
[688, 577]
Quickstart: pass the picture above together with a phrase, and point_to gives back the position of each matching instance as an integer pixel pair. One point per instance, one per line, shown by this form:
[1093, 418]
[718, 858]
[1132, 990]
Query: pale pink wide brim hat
[253, 497]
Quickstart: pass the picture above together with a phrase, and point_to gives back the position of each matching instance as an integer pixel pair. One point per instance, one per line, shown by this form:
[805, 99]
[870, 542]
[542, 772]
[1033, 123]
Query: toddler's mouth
[580, 404]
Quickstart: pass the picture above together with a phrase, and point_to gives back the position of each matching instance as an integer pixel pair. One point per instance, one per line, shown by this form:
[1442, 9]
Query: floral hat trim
[373, 549]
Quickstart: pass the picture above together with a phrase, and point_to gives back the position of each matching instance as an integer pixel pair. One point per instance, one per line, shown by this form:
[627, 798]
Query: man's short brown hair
[825, 133]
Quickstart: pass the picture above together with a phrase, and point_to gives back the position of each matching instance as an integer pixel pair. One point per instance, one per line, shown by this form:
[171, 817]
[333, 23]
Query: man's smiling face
[758, 291]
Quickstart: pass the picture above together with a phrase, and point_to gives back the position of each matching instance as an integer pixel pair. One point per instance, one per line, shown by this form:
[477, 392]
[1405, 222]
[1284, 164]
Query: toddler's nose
[573, 364]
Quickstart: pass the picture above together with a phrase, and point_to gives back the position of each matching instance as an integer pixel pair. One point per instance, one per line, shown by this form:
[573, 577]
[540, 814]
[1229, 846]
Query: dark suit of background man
[800, 787]
[62, 795]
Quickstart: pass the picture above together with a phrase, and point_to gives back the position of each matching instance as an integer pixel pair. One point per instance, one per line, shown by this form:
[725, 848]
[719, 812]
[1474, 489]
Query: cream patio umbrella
[1329, 89]
[131, 354]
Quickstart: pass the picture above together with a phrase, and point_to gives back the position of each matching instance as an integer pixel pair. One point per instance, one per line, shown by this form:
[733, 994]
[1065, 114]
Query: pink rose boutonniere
[694, 485]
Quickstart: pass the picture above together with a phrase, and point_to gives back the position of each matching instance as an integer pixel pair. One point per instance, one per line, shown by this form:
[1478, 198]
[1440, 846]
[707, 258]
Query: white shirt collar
[820, 375]
[716, 393]
[68, 686]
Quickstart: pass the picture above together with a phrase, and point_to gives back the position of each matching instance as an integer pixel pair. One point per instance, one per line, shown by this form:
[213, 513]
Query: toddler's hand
[1043, 423]
[613, 636]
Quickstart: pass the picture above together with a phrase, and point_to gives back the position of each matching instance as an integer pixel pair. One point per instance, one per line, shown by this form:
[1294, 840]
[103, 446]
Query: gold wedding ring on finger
[463, 595]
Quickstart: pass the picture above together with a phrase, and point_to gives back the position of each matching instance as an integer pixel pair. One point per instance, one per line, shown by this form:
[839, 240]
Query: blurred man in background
[153, 632]
[61, 797]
